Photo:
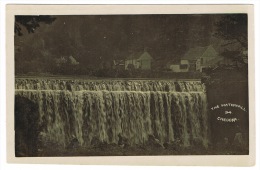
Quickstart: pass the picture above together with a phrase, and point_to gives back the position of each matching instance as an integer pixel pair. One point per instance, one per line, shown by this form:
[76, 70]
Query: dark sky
[91, 39]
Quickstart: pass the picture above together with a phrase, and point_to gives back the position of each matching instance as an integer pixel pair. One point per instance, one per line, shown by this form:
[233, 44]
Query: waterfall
[106, 109]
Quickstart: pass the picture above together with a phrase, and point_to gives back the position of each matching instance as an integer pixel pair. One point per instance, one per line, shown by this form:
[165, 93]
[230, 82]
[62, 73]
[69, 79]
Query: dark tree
[30, 22]
[233, 28]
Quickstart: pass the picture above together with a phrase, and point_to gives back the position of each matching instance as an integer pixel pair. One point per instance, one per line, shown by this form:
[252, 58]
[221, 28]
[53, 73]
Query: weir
[107, 110]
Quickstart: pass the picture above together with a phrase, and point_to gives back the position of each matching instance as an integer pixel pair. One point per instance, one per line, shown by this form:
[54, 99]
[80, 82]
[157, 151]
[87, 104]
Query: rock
[74, 144]
[96, 143]
[166, 145]
[122, 141]
[26, 127]
[226, 142]
[154, 141]
[238, 139]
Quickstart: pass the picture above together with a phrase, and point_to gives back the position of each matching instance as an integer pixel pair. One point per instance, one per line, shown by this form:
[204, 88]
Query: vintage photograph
[131, 85]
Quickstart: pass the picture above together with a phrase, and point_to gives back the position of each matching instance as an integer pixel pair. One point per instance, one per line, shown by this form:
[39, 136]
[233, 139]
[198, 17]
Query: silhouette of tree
[233, 28]
[30, 22]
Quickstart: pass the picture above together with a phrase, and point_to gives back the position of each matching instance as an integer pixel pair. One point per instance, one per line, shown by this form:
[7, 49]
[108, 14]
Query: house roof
[194, 53]
[213, 61]
[197, 52]
[139, 55]
[73, 60]
[145, 55]
[134, 56]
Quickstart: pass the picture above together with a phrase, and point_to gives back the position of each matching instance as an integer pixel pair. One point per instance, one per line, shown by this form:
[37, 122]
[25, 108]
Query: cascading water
[106, 109]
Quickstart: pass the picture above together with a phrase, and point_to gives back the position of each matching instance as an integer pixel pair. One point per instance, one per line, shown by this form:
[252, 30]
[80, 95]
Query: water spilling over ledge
[110, 85]
[112, 110]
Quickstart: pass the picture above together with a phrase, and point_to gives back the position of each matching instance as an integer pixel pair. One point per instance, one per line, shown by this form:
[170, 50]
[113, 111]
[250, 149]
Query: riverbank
[115, 150]
[115, 74]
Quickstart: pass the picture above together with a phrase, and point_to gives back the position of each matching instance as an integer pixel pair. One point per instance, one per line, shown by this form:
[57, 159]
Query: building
[197, 58]
[141, 60]
[119, 64]
[61, 61]
[178, 66]
[73, 61]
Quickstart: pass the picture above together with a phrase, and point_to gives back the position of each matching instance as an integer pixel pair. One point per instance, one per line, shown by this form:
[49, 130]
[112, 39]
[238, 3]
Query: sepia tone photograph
[131, 85]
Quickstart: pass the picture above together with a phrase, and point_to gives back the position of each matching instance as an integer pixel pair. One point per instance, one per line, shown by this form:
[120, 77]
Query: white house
[73, 61]
[180, 66]
[197, 58]
[141, 60]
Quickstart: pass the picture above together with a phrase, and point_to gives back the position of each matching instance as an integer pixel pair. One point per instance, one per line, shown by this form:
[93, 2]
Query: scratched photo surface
[129, 85]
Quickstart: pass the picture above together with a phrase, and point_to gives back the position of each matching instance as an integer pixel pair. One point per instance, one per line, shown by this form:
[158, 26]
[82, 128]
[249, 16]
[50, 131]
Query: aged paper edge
[194, 160]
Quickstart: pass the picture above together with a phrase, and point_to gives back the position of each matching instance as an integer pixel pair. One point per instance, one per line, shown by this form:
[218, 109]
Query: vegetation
[30, 23]
[26, 127]
[233, 28]
[96, 39]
